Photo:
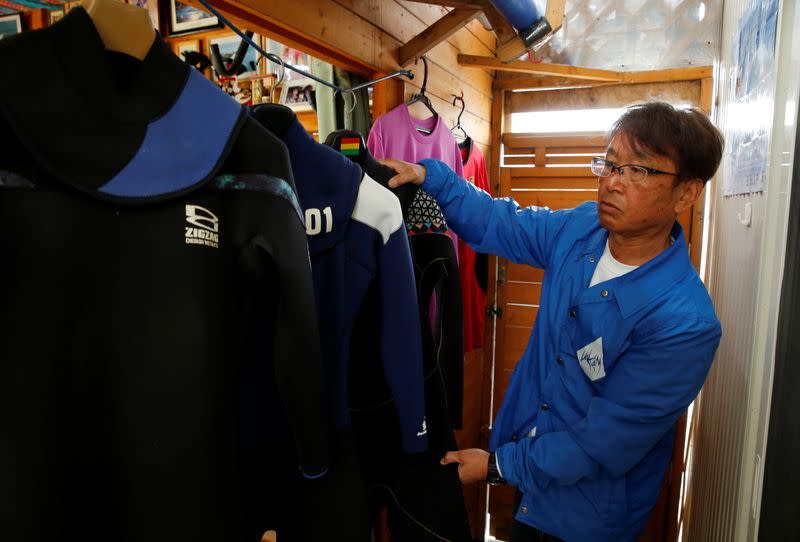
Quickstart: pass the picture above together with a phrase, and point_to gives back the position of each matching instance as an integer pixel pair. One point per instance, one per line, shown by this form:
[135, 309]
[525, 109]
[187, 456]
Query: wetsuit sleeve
[297, 352]
[401, 341]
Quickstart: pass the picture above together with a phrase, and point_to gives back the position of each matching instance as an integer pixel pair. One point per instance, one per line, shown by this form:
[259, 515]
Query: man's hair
[686, 136]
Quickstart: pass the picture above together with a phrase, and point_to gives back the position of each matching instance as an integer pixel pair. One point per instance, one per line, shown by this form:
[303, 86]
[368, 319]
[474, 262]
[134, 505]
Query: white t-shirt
[608, 268]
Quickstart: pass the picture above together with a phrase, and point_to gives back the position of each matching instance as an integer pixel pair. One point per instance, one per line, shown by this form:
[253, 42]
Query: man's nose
[614, 181]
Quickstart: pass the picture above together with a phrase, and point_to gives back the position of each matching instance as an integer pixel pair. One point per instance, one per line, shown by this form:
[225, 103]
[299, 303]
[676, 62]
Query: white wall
[745, 268]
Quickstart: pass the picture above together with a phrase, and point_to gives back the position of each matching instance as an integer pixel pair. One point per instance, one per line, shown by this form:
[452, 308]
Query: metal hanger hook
[280, 79]
[355, 102]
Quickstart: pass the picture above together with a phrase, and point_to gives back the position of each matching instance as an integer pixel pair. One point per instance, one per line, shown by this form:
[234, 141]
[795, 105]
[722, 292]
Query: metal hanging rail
[278, 60]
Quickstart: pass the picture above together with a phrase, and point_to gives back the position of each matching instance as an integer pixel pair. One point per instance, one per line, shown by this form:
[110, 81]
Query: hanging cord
[276, 59]
[407, 513]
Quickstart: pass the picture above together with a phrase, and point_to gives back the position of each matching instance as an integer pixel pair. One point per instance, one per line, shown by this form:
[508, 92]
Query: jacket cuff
[436, 175]
[517, 469]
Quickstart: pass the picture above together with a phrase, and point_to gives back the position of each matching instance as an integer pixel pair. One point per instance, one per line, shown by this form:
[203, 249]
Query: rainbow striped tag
[350, 146]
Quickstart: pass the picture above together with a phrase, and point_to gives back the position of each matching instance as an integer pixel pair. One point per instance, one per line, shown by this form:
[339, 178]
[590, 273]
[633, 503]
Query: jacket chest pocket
[598, 337]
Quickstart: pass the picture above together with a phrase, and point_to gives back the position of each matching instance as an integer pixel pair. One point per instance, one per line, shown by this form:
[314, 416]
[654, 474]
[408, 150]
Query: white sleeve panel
[377, 208]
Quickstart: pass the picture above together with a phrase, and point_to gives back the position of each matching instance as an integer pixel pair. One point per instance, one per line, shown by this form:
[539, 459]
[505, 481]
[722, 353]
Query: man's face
[637, 209]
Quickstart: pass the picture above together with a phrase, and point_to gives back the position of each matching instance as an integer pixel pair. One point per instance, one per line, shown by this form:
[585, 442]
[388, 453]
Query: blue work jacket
[607, 372]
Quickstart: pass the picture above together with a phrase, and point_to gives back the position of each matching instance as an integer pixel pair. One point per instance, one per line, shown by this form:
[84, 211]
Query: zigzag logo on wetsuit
[204, 229]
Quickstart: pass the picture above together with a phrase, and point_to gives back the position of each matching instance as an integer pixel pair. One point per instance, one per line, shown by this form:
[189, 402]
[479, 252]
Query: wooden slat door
[551, 171]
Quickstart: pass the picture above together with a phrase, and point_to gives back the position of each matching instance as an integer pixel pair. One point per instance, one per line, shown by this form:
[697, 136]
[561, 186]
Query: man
[625, 334]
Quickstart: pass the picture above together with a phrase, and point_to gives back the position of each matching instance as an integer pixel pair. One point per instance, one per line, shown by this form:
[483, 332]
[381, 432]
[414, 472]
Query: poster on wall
[229, 45]
[291, 56]
[185, 18]
[10, 24]
[752, 92]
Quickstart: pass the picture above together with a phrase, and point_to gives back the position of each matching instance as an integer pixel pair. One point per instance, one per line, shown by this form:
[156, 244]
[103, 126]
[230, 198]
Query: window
[573, 120]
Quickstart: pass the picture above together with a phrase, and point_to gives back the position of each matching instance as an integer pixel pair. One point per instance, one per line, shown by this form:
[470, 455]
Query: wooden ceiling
[13, 6]
[512, 73]
[509, 45]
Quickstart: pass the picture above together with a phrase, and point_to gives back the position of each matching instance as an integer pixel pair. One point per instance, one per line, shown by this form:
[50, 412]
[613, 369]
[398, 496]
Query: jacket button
[572, 314]
[560, 360]
[604, 293]
[545, 406]
[524, 509]
[591, 259]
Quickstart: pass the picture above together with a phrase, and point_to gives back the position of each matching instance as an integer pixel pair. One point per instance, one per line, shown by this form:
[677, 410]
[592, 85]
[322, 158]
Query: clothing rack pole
[278, 60]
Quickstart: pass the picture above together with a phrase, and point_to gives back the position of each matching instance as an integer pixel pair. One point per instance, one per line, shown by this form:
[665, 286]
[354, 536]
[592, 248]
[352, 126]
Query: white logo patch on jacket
[206, 227]
[424, 428]
[591, 359]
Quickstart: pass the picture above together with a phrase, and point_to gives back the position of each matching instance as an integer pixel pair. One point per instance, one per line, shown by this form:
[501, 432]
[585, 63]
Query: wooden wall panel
[364, 35]
[444, 83]
[605, 96]
[404, 20]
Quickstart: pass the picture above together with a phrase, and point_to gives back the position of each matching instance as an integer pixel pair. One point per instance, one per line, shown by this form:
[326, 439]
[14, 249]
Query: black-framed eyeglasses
[627, 172]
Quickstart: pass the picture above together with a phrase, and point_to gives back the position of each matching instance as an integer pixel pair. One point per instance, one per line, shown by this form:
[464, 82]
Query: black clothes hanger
[458, 126]
[234, 68]
[421, 96]
[370, 165]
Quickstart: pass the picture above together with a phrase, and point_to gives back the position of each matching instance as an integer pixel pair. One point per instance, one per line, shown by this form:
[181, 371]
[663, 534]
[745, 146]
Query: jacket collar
[122, 129]
[649, 281]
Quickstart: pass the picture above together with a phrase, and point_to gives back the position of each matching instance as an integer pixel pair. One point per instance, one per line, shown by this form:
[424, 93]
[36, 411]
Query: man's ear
[688, 193]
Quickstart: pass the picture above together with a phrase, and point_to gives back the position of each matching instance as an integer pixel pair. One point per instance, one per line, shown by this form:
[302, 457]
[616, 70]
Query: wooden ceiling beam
[554, 13]
[435, 34]
[520, 82]
[673, 74]
[560, 70]
[502, 30]
[467, 4]
[546, 82]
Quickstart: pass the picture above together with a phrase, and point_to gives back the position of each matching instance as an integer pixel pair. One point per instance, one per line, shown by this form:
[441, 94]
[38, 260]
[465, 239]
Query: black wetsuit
[157, 301]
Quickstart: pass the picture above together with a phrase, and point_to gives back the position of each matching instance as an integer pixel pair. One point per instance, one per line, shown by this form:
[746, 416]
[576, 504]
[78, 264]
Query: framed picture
[10, 24]
[152, 8]
[287, 54]
[56, 15]
[185, 18]
[228, 45]
[181, 47]
[296, 93]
